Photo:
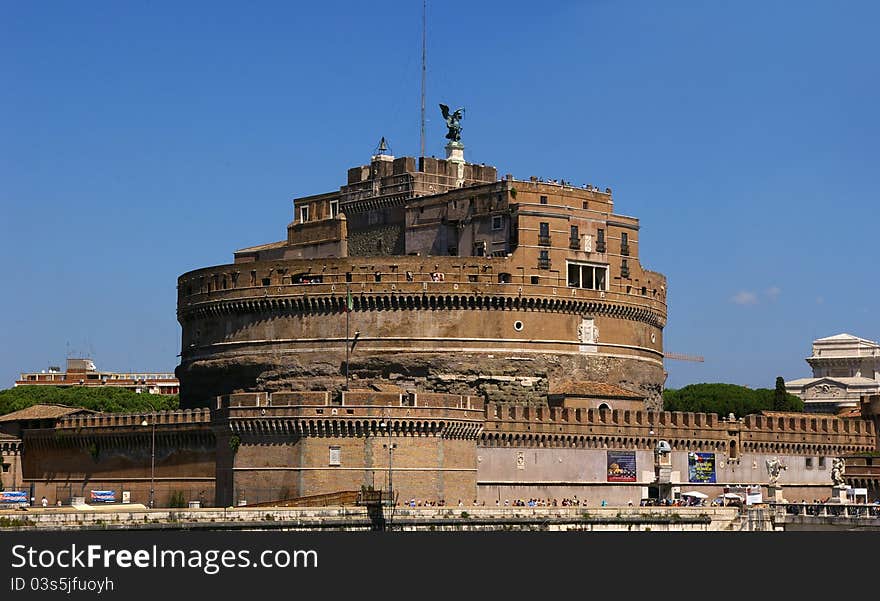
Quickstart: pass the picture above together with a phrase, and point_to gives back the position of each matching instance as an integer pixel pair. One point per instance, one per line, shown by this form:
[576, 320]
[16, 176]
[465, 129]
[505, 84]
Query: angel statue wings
[774, 466]
[453, 122]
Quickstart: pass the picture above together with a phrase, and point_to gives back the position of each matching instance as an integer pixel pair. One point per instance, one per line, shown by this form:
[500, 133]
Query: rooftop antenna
[382, 148]
[424, 53]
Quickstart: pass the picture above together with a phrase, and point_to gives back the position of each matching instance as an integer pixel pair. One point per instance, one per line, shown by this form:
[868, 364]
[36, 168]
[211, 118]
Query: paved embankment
[357, 518]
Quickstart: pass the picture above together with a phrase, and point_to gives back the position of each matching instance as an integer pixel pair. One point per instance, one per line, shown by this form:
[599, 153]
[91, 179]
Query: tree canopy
[724, 399]
[98, 398]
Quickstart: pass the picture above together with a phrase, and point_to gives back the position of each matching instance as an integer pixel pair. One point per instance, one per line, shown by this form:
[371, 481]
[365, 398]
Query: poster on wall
[701, 467]
[621, 466]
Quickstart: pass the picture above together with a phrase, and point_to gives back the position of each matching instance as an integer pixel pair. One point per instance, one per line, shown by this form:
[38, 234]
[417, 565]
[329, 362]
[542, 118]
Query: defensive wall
[288, 445]
[534, 452]
[263, 447]
[175, 451]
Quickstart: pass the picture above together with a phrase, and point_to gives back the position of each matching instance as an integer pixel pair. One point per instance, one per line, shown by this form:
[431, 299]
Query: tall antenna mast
[424, 53]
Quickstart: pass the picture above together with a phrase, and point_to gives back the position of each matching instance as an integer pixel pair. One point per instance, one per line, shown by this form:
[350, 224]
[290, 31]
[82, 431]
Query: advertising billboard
[621, 466]
[701, 467]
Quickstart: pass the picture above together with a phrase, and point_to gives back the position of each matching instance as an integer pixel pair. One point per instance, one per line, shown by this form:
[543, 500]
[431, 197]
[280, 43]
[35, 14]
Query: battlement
[135, 420]
[352, 398]
[784, 433]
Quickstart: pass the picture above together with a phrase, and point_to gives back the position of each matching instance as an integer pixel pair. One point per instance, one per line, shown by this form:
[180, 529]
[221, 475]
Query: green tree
[724, 399]
[780, 394]
[98, 398]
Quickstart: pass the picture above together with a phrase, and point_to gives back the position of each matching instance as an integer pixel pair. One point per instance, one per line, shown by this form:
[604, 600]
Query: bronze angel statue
[453, 122]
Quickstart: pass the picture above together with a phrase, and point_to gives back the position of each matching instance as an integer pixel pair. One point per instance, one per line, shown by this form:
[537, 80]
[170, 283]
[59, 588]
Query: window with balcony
[544, 259]
[624, 269]
[587, 275]
[544, 233]
[574, 238]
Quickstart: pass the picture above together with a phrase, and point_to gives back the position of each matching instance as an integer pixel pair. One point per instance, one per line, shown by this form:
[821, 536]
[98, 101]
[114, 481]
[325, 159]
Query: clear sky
[140, 140]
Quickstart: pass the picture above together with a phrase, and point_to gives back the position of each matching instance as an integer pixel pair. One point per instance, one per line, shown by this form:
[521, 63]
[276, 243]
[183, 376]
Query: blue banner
[103, 496]
[14, 496]
[701, 467]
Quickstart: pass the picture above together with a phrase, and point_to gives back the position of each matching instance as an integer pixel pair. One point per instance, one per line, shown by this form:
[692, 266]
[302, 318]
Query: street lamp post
[390, 446]
[152, 455]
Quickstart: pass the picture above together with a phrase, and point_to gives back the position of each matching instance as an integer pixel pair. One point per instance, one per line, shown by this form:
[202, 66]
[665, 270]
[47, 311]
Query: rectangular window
[574, 238]
[535, 280]
[821, 463]
[335, 456]
[808, 462]
[586, 205]
[574, 275]
[544, 233]
[624, 244]
[624, 269]
[497, 222]
[586, 275]
[600, 240]
[543, 200]
[544, 259]
[334, 209]
[304, 214]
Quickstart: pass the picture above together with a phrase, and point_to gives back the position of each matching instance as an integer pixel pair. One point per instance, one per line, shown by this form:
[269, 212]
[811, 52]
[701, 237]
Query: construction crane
[682, 357]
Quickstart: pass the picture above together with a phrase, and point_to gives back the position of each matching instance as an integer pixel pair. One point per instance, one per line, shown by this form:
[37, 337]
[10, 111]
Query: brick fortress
[467, 336]
[461, 283]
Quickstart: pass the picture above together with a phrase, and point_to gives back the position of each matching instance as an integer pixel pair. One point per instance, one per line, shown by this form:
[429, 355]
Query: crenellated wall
[287, 445]
[260, 446]
[526, 452]
[173, 452]
[592, 428]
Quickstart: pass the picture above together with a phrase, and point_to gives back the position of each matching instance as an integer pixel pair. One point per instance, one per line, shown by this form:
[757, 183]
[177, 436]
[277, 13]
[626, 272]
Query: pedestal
[838, 494]
[774, 494]
[455, 154]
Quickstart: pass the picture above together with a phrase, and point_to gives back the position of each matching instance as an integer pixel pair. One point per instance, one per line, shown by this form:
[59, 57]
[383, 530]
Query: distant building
[594, 395]
[845, 368]
[82, 372]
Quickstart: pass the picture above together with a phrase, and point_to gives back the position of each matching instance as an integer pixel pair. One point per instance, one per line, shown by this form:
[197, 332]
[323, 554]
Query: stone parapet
[593, 428]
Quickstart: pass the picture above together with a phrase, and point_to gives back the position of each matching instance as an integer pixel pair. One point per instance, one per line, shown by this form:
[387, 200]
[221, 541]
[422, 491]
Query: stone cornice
[394, 301]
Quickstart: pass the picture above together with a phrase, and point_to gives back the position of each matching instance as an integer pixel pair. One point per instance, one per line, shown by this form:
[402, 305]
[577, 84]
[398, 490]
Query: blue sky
[141, 140]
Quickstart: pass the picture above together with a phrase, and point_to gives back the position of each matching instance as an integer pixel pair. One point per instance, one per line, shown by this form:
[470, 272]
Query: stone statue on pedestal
[774, 467]
[838, 467]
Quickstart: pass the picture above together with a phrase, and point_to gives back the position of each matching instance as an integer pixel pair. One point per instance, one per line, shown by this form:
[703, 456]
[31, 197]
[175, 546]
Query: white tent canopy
[696, 494]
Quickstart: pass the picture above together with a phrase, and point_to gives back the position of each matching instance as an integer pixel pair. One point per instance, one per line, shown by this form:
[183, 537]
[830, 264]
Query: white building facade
[845, 368]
